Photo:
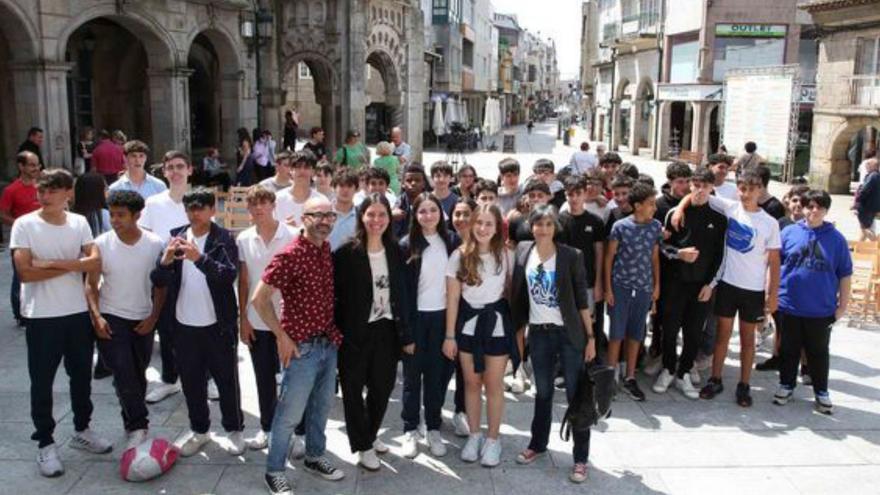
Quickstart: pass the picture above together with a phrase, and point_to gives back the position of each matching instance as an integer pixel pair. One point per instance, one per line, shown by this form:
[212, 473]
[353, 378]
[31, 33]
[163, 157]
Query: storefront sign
[689, 92]
[751, 30]
[808, 94]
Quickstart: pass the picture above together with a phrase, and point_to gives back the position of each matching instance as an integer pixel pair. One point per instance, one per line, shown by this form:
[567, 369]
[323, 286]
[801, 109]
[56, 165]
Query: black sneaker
[631, 387]
[322, 467]
[277, 484]
[712, 388]
[771, 364]
[743, 395]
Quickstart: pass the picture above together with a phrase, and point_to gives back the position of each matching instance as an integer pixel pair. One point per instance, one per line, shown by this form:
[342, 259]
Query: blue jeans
[311, 380]
[425, 372]
[547, 347]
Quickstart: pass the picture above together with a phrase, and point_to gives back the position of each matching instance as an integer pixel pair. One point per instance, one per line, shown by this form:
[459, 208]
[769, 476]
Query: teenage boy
[545, 171]
[813, 293]
[766, 201]
[256, 247]
[518, 228]
[414, 183]
[585, 231]
[486, 192]
[677, 185]
[621, 187]
[608, 164]
[345, 184]
[720, 166]
[136, 177]
[281, 179]
[316, 144]
[20, 198]
[632, 280]
[376, 181]
[162, 213]
[125, 307]
[290, 202]
[199, 267]
[441, 177]
[693, 255]
[308, 341]
[749, 283]
[509, 191]
[53, 248]
[324, 180]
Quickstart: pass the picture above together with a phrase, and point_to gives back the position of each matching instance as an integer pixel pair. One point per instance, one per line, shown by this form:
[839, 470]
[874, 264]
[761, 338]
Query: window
[467, 53]
[868, 56]
[304, 72]
[735, 53]
[808, 59]
[684, 62]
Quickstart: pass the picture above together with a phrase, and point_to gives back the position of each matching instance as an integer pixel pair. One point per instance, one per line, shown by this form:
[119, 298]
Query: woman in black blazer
[372, 312]
[549, 288]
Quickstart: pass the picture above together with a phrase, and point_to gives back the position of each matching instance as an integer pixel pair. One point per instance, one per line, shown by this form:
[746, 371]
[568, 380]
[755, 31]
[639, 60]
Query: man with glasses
[307, 340]
[162, 213]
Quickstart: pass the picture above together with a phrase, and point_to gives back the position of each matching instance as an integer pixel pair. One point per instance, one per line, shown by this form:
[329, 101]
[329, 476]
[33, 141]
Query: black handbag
[592, 399]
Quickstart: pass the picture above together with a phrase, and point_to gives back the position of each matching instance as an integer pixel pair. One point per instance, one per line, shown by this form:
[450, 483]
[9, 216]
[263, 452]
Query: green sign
[751, 30]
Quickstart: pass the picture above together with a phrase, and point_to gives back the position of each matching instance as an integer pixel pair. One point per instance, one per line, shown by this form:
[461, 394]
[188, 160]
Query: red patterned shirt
[303, 273]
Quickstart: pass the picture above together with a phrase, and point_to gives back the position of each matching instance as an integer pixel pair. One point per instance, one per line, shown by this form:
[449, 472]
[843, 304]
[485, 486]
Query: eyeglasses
[319, 215]
[177, 166]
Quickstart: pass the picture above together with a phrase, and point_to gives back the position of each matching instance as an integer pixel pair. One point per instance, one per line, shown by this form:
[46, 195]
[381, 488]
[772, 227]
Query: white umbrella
[487, 118]
[438, 126]
[451, 114]
[464, 115]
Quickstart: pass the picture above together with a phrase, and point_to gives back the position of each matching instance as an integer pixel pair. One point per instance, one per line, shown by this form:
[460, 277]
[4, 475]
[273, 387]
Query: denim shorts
[629, 313]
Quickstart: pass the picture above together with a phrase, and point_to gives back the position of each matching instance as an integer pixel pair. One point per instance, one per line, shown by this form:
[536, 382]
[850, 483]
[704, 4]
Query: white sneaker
[518, 384]
[89, 441]
[191, 442]
[213, 393]
[695, 376]
[653, 366]
[703, 363]
[135, 438]
[259, 441]
[473, 447]
[48, 461]
[491, 453]
[460, 422]
[664, 380]
[686, 387]
[162, 391]
[380, 447]
[234, 443]
[297, 448]
[435, 443]
[369, 460]
[410, 444]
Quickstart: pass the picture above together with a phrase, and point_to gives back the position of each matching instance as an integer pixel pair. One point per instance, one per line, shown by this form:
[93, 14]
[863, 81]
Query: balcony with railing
[864, 92]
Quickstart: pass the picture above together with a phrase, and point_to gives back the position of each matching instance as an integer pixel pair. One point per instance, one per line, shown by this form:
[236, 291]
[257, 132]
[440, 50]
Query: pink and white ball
[150, 459]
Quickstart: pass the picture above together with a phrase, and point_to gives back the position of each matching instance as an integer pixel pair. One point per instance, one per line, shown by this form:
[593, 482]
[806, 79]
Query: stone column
[353, 75]
[415, 82]
[615, 125]
[635, 121]
[41, 100]
[662, 115]
[698, 137]
[232, 101]
[169, 109]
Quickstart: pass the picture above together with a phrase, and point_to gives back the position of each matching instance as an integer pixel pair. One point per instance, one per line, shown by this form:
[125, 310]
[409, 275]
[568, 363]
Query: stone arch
[19, 48]
[215, 95]
[323, 68]
[830, 160]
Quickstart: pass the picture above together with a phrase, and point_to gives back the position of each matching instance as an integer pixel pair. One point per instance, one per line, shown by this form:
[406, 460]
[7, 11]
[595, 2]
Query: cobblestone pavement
[667, 444]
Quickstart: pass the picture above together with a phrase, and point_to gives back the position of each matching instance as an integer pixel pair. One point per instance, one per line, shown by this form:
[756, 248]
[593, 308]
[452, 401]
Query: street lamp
[256, 30]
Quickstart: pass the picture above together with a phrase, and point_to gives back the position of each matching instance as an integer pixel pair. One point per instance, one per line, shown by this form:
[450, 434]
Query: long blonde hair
[471, 263]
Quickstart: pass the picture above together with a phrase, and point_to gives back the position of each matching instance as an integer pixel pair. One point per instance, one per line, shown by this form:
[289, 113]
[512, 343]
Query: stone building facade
[846, 119]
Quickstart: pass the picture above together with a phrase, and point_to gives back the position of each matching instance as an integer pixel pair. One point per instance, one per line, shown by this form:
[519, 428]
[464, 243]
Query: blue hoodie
[813, 262]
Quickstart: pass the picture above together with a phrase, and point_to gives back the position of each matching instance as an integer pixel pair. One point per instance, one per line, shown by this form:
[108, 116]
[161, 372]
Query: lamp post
[256, 30]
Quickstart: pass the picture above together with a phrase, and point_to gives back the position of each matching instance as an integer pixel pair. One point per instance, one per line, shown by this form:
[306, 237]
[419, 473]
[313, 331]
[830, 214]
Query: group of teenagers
[457, 277]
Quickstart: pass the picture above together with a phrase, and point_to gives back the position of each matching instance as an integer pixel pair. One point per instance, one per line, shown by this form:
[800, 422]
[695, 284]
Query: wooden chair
[692, 157]
[864, 300]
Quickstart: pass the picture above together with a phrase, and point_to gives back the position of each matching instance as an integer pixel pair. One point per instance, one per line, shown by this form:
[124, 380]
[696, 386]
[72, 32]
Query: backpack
[592, 399]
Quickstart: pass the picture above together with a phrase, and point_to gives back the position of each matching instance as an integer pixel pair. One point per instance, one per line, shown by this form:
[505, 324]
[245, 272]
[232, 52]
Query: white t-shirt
[381, 287]
[273, 186]
[727, 191]
[58, 296]
[582, 161]
[491, 290]
[195, 307]
[543, 295]
[161, 214]
[749, 236]
[256, 255]
[126, 290]
[432, 280]
[286, 207]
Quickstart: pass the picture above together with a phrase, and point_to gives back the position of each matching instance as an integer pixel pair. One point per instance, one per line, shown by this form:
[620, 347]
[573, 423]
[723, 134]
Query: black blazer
[353, 287]
[571, 285]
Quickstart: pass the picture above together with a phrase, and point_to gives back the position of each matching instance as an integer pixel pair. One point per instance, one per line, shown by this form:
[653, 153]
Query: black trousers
[49, 340]
[200, 350]
[166, 344]
[264, 356]
[127, 354]
[599, 328]
[813, 335]
[371, 364]
[454, 369]
[682, 310]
